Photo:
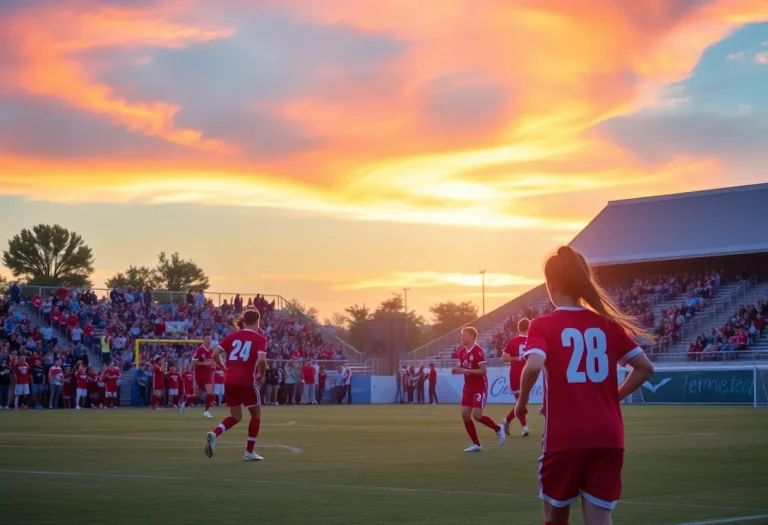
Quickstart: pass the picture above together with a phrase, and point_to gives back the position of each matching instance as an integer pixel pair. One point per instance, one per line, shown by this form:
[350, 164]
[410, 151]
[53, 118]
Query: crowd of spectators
[738, 333]
[112, 324]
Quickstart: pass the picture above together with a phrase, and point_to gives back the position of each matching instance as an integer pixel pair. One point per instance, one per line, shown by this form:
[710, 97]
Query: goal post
[139, 342]
[698, 384]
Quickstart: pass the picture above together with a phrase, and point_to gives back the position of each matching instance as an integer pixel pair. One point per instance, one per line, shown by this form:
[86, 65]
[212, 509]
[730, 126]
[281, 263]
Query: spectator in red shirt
[308, 379]
[432, 379]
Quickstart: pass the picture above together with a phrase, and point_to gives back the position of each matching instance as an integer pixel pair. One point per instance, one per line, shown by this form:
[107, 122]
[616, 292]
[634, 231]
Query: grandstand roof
[696, 224]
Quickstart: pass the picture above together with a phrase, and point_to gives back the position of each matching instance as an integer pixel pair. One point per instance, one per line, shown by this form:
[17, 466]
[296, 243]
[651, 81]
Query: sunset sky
[339, 150]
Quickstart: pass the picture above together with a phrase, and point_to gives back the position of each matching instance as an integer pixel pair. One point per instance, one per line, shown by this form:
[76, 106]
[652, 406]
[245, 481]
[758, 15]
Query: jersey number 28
[596, 368]
[240, 351]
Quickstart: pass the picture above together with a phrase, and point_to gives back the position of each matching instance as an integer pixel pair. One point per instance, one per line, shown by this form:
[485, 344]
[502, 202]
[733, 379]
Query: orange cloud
[389, 146]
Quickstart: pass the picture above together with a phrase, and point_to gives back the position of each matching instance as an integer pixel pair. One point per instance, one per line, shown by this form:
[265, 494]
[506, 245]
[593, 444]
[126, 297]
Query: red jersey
[111, 376]
[174, 380]
[202, 354]
[581, 391]
[242, 350]
[188, 378]
[323, 376]
[158, 378]
[22, 373]
[308, 374]
[56, 373]
[516, 348]
[472, 359]
[82, 380]
[218, 377]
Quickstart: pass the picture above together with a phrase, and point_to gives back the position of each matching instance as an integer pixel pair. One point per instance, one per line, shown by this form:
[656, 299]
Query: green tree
[134, 277]
[297, 310]
[394, 307]
[49, 255]
[449, 316]
[176, 274]
[3, 286]
[356, 317]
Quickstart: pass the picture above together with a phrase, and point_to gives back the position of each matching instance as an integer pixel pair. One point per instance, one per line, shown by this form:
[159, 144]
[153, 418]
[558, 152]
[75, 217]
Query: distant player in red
[158, 382]
[66, 388]
[174, 382]
[475, 394]
[81, 380]
[188, 380]
[513, 354]
[245, 352]
[111, 383]
[204, 367]
[579, 349]
[21, 370]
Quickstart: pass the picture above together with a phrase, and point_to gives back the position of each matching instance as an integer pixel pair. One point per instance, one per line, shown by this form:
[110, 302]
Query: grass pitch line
[373, 488]
[727, 520]
[295, 450]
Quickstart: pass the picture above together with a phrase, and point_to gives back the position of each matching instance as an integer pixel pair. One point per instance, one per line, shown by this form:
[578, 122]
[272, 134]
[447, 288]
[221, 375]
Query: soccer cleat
[505, 424]
[207, 414]
[474, 448]
[502, 437]
[252, 456]
[524, 433]
[77, 407]
[210, 444]
[182, 408]
[539, 412]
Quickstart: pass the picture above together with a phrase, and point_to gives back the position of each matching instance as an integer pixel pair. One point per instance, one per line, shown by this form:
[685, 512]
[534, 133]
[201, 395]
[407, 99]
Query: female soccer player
[579, 346]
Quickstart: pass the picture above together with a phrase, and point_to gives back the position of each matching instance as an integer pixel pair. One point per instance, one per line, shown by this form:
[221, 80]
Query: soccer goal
[177, 348]
[704, 385]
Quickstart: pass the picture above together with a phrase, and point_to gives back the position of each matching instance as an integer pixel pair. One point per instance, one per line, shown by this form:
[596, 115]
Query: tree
[49, 255]
[3, 286]
[394, 307]
[449, 316]
[356, 318]
[134, 277]
[297, 310]
[176, 274]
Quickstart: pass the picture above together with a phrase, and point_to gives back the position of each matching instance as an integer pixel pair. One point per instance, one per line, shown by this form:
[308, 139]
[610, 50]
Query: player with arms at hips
[513, 354]
[245, 352]
[204, 367]
[475, 394]
[579, 346]
[112, 384]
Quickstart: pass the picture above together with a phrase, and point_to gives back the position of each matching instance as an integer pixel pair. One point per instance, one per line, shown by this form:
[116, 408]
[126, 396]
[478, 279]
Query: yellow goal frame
[138, 343]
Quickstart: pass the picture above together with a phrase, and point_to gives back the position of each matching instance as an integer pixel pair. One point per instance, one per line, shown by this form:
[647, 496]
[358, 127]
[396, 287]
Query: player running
[245, 352]
[579, 346]
[513, 354]
[188, 382]
[475, 389]
[204, 366]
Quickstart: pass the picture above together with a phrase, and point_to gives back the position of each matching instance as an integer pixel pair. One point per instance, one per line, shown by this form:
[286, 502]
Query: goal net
[178, 352]
[703, 385]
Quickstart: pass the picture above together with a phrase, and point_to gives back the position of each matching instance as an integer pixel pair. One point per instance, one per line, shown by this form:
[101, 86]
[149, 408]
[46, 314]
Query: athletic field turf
[361, 465]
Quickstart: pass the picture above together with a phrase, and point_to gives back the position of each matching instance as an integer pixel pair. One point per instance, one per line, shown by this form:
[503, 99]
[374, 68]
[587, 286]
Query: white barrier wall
[450, 387]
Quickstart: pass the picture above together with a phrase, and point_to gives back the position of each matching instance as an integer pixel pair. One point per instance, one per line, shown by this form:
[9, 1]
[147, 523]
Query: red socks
[511, 415]
[253, 433]
[488, 422]
[154, 401]
[208, 401]
[190, 401]
[472, 431]
[225, 425]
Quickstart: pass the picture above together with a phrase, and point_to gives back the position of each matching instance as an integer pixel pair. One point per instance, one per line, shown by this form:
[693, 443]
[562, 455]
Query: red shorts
[514, 384]
[189, 392]
[238, 394]
[595, 474]
[474, 400]
[203, 377]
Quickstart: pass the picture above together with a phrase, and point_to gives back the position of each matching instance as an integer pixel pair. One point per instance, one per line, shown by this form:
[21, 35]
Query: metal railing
[734, 357]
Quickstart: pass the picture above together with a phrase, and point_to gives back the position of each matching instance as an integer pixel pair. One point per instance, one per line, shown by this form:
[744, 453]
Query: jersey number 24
[596, 367]
[240, 351]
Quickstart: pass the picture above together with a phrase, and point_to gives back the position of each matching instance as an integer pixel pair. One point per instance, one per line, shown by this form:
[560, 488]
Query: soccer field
[361, 464]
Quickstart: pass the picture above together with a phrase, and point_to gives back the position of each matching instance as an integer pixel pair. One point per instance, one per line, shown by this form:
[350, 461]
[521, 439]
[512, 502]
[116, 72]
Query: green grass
[359, 465]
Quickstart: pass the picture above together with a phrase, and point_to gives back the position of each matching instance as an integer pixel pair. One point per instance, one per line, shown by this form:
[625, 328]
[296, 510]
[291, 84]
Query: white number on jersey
[241, 351]
[521, 350]
[597, 359]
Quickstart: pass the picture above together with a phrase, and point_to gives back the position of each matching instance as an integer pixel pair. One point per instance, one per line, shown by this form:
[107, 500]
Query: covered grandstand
[658, 256]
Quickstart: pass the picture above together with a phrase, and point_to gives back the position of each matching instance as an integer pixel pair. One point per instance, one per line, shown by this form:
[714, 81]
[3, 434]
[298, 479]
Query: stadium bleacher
[677, 275]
